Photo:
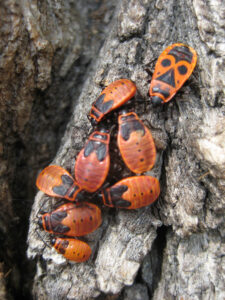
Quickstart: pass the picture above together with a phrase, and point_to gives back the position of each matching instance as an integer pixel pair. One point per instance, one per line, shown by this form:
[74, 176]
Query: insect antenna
[40, 236]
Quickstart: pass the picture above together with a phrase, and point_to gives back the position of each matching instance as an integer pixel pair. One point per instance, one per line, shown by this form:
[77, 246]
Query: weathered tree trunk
[52, 67]
[46, 51]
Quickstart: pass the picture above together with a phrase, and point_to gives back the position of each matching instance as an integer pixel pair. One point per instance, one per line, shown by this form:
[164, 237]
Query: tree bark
[46, 54]
[176, 246]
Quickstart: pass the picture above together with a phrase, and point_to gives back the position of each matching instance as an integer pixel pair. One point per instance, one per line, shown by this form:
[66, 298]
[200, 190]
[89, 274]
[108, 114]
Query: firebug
[72, 249]
[136, 144]
[55, 181]
[72, 219]
[132, 192]
[92, 163]
[112, 97]
[173, 67]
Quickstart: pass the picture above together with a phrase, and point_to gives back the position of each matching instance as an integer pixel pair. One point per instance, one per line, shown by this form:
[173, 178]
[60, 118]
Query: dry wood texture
[52, 70]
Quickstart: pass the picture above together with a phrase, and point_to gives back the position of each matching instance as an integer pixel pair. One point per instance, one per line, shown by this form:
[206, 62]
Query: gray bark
[177, 244]
[46, 50]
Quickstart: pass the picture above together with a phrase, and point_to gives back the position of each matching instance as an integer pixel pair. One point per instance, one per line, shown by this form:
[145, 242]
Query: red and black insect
[72, 219]
[93, 162]
[136, 144]
[132, 192]
[173, 67]
[55, 181]
[112, 97]
[72, 249]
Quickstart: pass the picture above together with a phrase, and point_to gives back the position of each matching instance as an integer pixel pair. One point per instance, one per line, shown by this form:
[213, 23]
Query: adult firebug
[92, 163]
[173, 67]
[72, 219]
[55, 181]
[112, 97]
[132, 192]
[72, 249]
[135, 142]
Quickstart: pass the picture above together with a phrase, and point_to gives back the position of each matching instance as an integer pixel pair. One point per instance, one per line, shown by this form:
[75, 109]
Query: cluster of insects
[136, 145]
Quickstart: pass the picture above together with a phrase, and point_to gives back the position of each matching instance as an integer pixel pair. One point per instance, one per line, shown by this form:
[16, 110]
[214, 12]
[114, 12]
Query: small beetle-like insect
[92, 163]
[55, 181]
[112, 97]
[136, 144]
[72, 219]
[132, 192]
[72, 249]
[173, 67]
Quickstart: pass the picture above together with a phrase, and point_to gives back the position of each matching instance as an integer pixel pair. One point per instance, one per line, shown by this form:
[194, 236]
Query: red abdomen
[112, 97]
[92, 163]
[72, 249]
[55, 181]
[136, 144]
[72, 219]
[132, 192]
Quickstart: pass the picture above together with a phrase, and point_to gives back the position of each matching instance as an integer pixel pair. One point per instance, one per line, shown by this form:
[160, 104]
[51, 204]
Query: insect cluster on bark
[137, 148]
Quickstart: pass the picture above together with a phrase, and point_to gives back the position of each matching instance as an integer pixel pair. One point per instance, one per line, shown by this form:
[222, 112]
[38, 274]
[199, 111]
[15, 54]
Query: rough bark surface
[175, 248]
[46, 50]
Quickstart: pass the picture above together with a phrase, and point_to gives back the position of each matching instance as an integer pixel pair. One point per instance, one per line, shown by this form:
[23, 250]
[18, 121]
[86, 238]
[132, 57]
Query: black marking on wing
[121, 203]
[89, 148]
[106, 106]
[59, 228]
[181, 53]
[166, 62]
[61, 248]
[102, 106]
[168, 77]
[62, 189]
[98, 147]
[116, 193]
[58, 216]
[99, 101]
[128, 127]
[182, 70]
[101, 152]
[54, 219]
[67, 180]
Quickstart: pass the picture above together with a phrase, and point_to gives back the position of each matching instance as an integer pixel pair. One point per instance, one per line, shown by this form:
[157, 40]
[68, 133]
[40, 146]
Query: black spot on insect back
[166, 63]
[182, 70]
[168, 77]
